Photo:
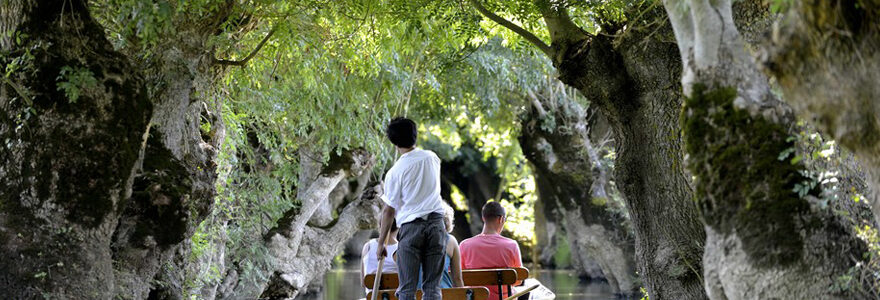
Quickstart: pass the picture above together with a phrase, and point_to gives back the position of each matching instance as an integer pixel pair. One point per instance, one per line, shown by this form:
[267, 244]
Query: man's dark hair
[492, 210]
[402, 132]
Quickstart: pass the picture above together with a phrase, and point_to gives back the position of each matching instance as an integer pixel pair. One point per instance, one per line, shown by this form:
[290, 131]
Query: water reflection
[566, 285]
[343, 283]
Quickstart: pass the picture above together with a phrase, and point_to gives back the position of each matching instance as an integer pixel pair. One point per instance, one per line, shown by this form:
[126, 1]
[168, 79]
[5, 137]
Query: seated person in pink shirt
[489, 249]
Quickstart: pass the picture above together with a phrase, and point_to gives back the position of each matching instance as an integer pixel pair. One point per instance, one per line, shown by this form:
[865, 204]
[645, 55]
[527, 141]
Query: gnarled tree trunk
[570, 177]
[295, 242]
[630, 74]
[69, 156]
[176, 187]
[766, 238]
[633, 85]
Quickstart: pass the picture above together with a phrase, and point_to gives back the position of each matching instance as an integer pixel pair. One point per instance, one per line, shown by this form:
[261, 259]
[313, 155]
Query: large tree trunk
[631, 76]
[296, 242]
[630, 73]
[825, 55]
[570, 177]
[176, 187]
[69, 156]
[766, 237]
[319, 246]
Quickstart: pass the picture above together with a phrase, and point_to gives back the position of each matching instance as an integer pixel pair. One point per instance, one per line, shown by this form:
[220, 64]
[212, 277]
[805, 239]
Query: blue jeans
[421, 244]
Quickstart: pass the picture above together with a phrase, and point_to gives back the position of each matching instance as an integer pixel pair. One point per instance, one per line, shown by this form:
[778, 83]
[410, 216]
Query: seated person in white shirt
[370, 263]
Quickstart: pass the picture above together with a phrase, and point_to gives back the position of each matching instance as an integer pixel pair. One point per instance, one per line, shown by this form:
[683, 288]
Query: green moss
[741, 186]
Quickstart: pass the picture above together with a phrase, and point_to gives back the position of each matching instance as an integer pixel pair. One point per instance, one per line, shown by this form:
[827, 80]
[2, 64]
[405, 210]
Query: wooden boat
[514, 279]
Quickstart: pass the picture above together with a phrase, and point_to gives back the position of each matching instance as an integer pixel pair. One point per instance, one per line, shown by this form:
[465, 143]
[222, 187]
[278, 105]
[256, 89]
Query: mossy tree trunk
[825, 55]
[570, 177]
[69, 156]
[631, 75]
[301, 250]
[175, 190]
[766, 238]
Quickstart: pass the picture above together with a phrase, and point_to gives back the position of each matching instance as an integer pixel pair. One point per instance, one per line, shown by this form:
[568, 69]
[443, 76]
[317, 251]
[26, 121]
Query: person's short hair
[402, 132]
[492, 210]
[449, 217]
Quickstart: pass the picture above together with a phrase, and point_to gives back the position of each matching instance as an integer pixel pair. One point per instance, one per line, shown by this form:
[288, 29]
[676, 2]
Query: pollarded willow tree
[618, 55]
[574, 185]
[767, 236]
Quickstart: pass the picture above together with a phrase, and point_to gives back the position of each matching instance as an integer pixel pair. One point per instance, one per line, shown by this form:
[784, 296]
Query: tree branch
[559, 24]
[515, 28]
[243, 62]
[536, 103]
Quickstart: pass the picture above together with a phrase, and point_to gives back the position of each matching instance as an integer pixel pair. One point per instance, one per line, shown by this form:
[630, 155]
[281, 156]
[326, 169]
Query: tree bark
[68, 163]
[569, 176]
[764, 238]
[825, 55]
[631, 75]
[295, 242]
[319, 247]
[175, 189]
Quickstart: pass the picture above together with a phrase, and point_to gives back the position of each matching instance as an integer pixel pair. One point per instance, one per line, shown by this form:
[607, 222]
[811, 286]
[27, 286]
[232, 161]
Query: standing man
[490, 250]
[412, 199]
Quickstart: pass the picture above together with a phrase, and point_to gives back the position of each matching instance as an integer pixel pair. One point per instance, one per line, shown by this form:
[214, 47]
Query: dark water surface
[343, 283]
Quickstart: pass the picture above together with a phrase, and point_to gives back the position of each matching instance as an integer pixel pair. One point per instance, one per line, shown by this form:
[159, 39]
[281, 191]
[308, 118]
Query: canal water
[343, 283]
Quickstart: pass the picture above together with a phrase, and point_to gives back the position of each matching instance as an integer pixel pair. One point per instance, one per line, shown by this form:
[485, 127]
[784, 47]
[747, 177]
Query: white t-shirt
[412, 186]
[371, 263]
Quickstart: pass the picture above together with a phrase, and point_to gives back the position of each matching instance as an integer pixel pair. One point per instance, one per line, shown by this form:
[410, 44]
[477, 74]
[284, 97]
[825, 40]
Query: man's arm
[390, 194]
[517, 263]
[385, 220]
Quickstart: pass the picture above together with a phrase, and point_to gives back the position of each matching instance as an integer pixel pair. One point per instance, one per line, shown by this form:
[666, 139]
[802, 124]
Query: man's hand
[380, 252]
[385, 220]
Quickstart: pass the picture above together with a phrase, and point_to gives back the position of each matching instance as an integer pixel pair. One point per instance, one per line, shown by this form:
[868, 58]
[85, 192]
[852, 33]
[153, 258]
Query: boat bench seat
[475, 277]
[462, 293]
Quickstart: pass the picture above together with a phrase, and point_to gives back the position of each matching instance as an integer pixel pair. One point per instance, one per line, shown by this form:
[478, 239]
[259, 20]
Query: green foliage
[73, 81]
[327, 79]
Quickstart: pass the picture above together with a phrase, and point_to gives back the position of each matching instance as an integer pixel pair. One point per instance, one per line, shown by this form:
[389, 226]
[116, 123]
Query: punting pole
[378, 278]
[523, 292]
